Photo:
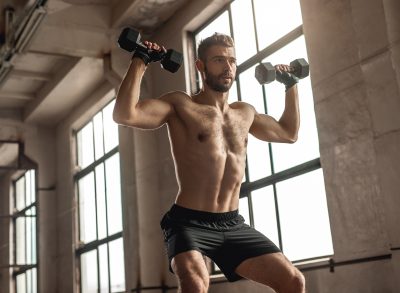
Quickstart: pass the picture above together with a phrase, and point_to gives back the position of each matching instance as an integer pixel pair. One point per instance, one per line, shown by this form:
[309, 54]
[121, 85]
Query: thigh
[272, 269]
[190, 264]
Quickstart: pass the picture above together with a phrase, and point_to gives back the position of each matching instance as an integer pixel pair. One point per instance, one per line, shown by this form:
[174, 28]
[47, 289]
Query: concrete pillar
[40, 147]
[351, 48]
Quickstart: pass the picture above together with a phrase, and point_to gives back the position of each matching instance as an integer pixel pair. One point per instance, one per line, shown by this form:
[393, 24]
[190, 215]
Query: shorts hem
[232, 277]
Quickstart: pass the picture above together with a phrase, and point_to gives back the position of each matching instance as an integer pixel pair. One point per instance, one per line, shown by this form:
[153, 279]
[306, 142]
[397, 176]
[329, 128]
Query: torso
[209, 149]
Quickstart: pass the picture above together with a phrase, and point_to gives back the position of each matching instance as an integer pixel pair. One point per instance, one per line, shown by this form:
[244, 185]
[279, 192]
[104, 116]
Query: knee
[193, 284]
[296, 284]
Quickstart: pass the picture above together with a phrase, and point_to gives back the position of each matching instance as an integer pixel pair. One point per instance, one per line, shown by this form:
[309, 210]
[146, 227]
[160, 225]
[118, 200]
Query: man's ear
[200, 65]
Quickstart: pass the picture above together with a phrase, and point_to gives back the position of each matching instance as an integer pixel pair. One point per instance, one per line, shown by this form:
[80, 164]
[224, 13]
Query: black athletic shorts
[223, 237]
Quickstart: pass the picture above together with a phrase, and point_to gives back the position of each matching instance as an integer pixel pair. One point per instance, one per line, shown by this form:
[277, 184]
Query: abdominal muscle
[209, 181]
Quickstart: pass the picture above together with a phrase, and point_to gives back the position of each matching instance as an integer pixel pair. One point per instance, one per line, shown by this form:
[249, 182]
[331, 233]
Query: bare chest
[226, 132]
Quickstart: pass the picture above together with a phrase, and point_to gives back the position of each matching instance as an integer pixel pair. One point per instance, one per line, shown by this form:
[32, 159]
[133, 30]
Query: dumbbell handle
[266, 73]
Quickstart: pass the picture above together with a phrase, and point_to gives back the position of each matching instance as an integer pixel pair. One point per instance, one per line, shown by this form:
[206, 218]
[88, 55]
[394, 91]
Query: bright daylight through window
[283, 192]
[24, 223]
[100, 215]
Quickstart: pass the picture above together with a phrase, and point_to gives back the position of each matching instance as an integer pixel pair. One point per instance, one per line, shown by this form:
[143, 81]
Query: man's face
[220, 68]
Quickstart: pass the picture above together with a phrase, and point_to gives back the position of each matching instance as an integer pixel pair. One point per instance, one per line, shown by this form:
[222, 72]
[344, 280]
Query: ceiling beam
[18, 96]
[50, 86]
[29, 75]
[124, 10]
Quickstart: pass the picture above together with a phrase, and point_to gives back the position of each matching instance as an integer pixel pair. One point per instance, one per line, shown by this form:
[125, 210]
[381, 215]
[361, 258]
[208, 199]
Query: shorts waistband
[181, 212]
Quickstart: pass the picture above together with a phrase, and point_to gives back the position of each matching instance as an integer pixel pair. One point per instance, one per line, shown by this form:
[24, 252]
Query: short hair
[216, 39]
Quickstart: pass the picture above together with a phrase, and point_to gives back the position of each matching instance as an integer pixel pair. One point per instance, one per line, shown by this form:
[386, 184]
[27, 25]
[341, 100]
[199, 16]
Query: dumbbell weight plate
[300, 67]
[265, 73]
[129, 39]
[172, 61]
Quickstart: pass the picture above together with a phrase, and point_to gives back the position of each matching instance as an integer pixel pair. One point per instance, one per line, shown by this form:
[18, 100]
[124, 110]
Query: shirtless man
[209, 138]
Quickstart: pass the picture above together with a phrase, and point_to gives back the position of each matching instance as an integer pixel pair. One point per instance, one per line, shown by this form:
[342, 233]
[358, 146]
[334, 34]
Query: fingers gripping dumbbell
[266, 73]
[129, 40]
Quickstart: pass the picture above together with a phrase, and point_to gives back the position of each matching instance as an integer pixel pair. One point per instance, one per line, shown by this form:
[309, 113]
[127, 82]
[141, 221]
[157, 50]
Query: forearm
[290, 119]
[129, 91]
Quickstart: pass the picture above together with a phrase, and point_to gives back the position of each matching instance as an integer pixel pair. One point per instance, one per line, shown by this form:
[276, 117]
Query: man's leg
[191, 271]
[275, 271]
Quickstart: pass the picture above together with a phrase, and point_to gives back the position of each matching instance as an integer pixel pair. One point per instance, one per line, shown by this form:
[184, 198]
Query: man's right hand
[154, 53]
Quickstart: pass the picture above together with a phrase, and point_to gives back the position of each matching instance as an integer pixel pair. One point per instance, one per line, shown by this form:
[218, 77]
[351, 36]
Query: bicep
[150, 113]
[266, 128]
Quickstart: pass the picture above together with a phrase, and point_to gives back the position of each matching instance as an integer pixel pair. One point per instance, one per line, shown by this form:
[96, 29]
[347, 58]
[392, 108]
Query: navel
[202, 137]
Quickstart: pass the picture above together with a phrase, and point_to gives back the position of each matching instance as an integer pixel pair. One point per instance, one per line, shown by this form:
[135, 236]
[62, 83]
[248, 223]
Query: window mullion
[255, 25]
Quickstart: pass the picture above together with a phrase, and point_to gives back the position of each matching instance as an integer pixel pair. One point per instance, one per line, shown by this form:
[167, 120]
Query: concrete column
[66, 209]
[351, 45]
[129, 207]
[40, 147]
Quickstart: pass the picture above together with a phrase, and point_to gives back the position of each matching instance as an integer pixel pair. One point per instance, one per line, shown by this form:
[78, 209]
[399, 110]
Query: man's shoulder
[239, 105]
[176, 97]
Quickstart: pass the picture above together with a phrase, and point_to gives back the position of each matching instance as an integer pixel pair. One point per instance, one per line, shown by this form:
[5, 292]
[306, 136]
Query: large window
[25, 227]
[99, 215]
[283, 192]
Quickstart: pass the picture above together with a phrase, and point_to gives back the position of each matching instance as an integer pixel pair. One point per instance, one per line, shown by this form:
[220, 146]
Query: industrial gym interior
[81, 198]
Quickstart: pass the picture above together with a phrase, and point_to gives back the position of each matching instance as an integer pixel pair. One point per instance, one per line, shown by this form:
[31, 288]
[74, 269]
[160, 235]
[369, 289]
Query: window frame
[20, 269]
[82, 248]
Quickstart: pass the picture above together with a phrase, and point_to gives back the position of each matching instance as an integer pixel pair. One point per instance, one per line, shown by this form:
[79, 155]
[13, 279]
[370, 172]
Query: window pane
[219, 25]
[275, 19]
[307, 147]
[20, 240]
[20, 193]
[304, 216]
[21, 283]
[110, 128]
[257, 151]
[244, 209]
[113, 195]
[32, 186]
[87, 208]
[28, 195]
[243, 30]
[98, 135]
[264, 213]
[31, 236]
[34, 280]
[85, 146]
[103, 265]
[89, 272]
[28, 239]
[117, 268]
[233, 95]
[101, 202]
[29, 281]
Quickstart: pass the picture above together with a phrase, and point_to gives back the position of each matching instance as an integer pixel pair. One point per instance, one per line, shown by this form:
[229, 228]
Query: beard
[214, 82]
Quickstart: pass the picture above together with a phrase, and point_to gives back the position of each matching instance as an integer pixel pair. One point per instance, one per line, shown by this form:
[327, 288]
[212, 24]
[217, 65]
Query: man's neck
[207, 96]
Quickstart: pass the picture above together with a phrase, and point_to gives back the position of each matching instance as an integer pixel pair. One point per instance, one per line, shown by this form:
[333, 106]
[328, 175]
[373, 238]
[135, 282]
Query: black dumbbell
[129, 40]
[265, 72]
